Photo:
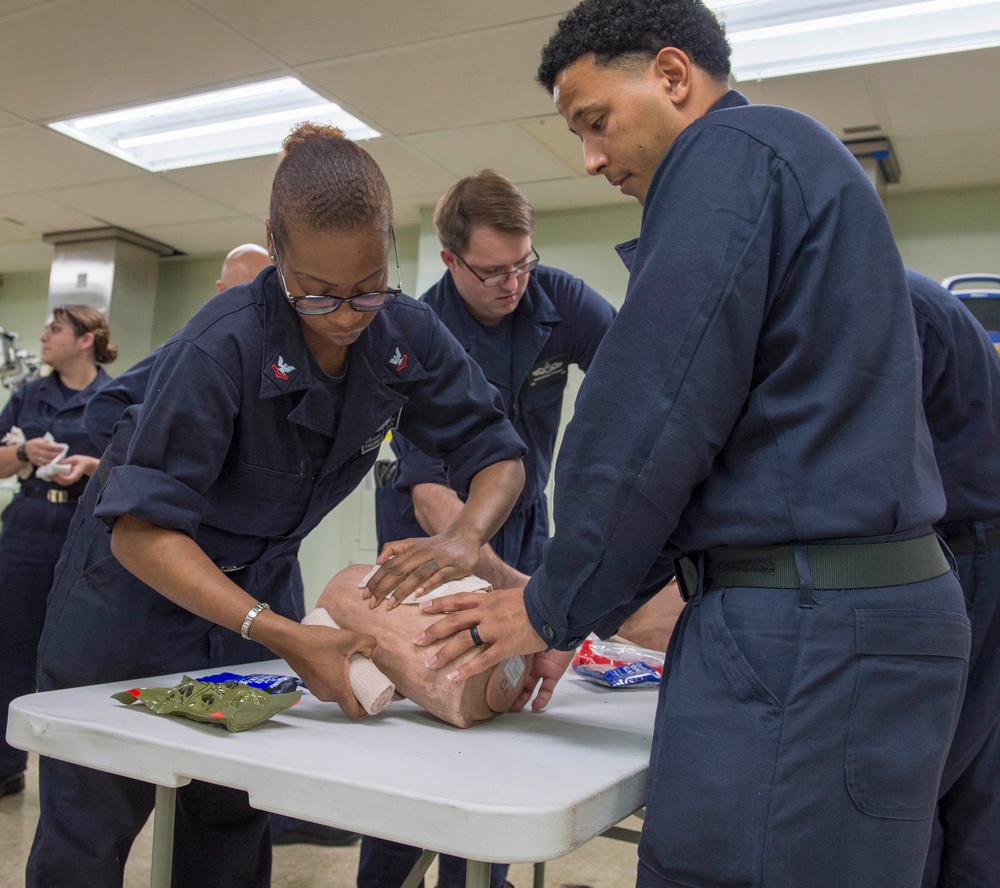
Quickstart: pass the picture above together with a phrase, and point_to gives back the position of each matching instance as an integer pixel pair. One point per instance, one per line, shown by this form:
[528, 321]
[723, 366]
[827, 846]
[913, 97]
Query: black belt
[832, 566]
[50, 494]
[965, 543]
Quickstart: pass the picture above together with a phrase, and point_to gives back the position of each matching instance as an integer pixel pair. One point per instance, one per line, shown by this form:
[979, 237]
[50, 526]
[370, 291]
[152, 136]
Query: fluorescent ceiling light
[244, 121]
[772, 38]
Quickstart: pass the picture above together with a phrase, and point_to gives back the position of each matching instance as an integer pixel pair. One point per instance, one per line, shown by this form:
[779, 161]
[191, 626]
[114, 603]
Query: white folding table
[523, 788]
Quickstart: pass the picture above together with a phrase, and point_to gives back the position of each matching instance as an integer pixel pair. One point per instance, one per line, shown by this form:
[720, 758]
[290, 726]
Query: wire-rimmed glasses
[495, 280]
[321, 305]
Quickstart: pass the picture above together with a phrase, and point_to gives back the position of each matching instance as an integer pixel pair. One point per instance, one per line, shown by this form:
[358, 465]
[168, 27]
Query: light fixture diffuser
[773, 38]
[226, 124]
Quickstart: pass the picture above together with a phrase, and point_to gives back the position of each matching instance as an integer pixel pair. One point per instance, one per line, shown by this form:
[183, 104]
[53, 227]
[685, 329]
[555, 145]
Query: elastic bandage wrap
[368, 683]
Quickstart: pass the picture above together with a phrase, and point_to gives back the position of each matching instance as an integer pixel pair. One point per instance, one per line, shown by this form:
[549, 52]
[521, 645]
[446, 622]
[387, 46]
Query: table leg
[419, 869]
[539, 876]
[163, 837]
[477, 874]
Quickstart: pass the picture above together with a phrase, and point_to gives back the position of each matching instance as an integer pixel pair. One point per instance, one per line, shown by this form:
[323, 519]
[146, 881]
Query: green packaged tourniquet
[234, 706]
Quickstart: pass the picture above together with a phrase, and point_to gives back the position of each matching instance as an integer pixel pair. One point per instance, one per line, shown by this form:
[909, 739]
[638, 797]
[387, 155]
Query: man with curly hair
[754, 413]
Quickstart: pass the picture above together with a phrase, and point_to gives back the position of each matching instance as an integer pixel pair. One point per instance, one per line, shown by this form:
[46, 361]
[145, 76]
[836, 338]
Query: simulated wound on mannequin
[463, 703]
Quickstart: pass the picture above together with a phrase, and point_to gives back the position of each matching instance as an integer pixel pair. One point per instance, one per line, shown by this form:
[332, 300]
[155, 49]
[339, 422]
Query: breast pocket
[911, 677]
[253, 500]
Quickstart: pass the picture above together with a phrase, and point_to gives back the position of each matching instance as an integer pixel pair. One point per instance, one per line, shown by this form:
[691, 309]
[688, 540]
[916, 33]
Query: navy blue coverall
[104, 411]
[961, 382]
[761, 386]
[34, 531]
[242, 446]
[559, 321]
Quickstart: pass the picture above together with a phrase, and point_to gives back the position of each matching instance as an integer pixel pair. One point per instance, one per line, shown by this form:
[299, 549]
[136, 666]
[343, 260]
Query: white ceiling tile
[407, 172]
[944, 161]
[244, 185]
[9, 119]
[553, 133]
[66, 59]
[500, 146]
[10, 7]
[381, 24]
[837, 99]
[210, 237]
[476, 78]
[142, 202]
[35, 158]
[954, 93]
[43, 215]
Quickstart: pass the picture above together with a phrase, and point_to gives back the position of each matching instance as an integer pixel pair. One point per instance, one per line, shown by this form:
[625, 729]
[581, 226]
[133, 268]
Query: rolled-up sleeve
[413, 466]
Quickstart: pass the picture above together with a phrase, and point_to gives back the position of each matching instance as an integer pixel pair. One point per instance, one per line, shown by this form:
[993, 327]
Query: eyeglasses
[321, 305]
[495, 280]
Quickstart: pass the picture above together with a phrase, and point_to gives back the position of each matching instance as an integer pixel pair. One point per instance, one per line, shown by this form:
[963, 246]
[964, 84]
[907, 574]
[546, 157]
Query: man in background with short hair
[524, 324]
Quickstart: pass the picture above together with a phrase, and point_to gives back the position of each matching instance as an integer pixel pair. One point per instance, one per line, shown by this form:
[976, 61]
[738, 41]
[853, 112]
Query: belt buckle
[57, 496]
[232, 568]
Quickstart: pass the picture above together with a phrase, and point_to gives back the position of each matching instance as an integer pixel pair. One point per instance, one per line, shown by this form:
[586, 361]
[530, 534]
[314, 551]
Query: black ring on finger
[474, 632]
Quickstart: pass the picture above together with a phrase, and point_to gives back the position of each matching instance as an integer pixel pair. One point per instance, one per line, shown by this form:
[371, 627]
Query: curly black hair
[619, 31]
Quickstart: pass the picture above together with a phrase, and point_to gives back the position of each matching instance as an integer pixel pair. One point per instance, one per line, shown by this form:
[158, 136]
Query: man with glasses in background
[524, 324]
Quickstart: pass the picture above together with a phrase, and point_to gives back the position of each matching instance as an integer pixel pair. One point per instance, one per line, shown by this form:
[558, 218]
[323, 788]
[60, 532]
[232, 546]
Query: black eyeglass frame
[495, 280]
[390, 294]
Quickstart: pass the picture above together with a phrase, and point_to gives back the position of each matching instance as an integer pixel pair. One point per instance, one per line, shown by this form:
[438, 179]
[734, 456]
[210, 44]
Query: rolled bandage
[373, 690]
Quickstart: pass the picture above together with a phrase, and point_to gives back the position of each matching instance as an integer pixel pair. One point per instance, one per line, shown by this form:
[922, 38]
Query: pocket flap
[912, 633]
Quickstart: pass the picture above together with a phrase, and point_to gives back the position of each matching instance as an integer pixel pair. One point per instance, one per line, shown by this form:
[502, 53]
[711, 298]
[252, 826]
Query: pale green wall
[946, 233]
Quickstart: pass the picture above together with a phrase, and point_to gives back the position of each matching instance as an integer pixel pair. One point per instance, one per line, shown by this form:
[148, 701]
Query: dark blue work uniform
[559, 321]
[961, 379]
[106, 409]
[242, 445]
[114, 399]
[34, 530]
[760, 387]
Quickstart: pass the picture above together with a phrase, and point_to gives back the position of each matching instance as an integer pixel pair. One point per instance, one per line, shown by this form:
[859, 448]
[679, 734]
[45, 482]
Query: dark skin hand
[320, 659]
[422, 564]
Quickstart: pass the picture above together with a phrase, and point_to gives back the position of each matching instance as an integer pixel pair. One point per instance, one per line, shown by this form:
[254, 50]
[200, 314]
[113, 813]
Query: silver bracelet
[250, 617]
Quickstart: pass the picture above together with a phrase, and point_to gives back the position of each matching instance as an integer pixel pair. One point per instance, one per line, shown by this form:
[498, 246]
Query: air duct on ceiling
[878, 160]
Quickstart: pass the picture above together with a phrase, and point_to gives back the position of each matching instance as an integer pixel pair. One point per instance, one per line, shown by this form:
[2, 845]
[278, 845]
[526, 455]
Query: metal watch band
[250, 617]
